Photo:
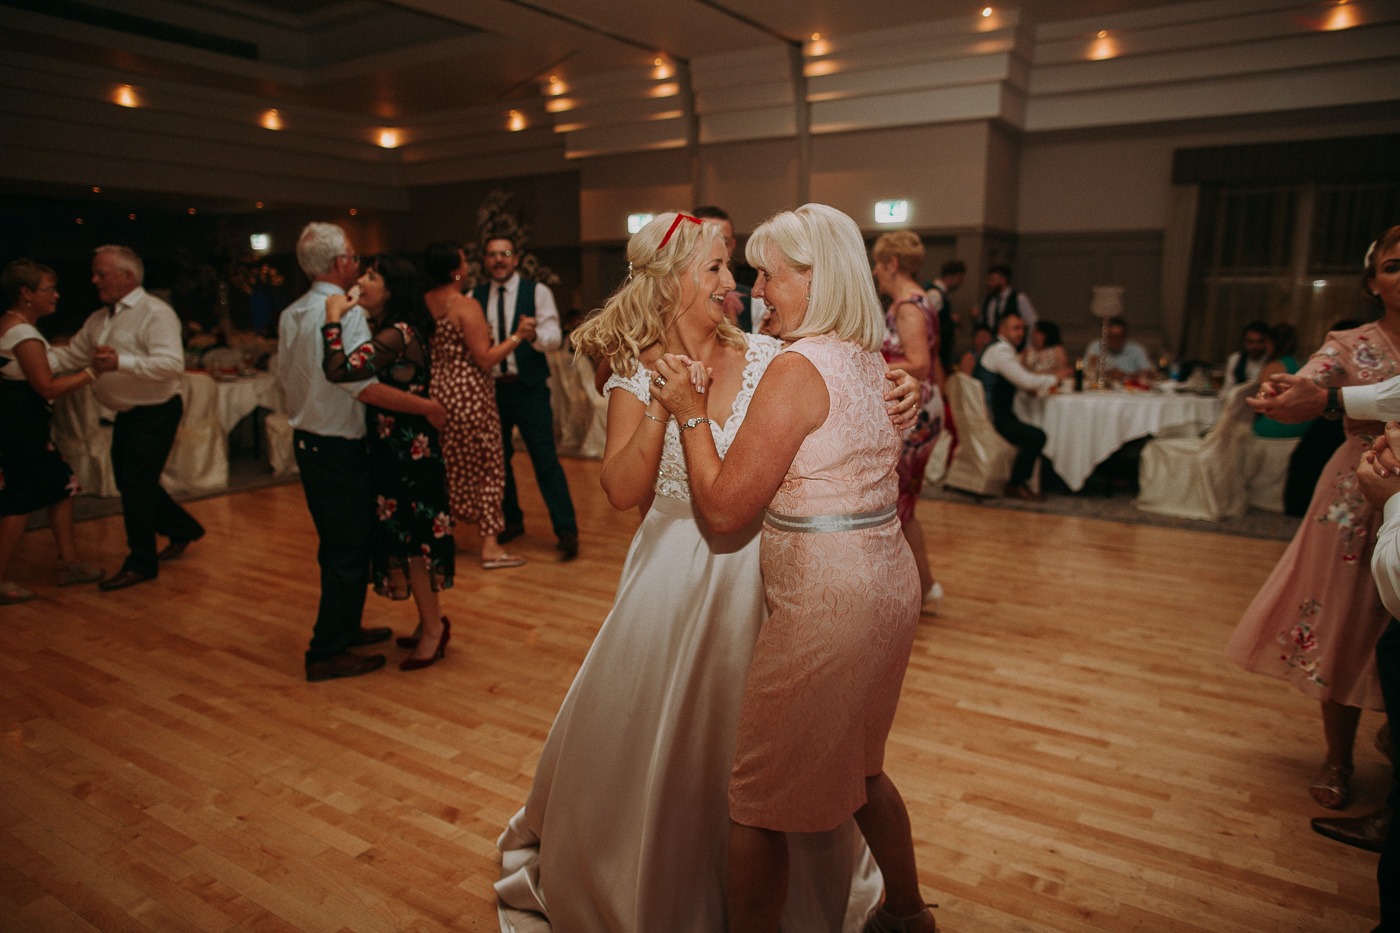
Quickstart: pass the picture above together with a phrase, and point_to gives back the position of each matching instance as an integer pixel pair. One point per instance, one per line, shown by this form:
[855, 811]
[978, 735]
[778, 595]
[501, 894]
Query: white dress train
[627, 822]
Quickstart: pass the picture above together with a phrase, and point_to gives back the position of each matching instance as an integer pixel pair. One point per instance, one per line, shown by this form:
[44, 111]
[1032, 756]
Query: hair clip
[672, 229]
[629, 273]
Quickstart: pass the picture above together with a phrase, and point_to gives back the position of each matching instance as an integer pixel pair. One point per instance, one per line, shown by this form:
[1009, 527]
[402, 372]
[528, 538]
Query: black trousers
[1028, 440]
[1388, 871]
[527, 407]
[335, 477]
[141, 442]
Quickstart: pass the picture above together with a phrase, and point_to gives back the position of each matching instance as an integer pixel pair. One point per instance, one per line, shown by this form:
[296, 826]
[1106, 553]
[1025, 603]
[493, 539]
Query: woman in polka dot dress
[463, 355]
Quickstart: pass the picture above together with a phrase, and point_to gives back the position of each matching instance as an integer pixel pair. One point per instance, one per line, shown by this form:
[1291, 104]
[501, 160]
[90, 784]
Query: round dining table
[1083, 429]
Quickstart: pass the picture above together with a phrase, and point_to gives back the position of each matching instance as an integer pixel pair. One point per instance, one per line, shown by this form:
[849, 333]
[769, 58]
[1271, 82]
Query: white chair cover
[1200, 478]
[1266, 470]
[592, 415]
[84, 441]
[982, 463]
[564, 396]
[198, 461]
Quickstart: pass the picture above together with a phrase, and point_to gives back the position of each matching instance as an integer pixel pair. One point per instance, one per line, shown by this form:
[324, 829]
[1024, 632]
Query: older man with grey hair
[328, 421]
[134, 344]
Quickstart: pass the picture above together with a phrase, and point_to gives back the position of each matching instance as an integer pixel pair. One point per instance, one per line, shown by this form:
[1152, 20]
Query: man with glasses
[328, 421]
[512, 301]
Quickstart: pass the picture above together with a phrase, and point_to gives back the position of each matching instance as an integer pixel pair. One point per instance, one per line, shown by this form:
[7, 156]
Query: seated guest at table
[1283, 341]
[463, 358]
[134, 344]
[1123, 358]
[1001, 368]
[982, 337]
[412, 549]
[1255, 350]
[33, 474]
[1044, 353]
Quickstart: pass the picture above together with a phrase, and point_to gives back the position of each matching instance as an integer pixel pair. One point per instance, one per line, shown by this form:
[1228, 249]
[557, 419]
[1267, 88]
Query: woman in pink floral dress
[1316, 620]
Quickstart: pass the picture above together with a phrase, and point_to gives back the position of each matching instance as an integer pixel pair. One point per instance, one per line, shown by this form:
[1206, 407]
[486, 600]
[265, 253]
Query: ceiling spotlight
[516, 123]
[78, 221]
[258, 205]
[271, 120]
[96, 189]
[388, 138]
[130, 216]
[354, 211]
[125, 96]
[190, 211]
[986, 11]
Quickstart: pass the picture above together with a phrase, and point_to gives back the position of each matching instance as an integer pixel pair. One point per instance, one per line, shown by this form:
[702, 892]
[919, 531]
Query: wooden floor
[1075, 750]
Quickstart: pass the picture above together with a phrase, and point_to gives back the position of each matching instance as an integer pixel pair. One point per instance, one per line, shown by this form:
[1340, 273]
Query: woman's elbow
[48, 391]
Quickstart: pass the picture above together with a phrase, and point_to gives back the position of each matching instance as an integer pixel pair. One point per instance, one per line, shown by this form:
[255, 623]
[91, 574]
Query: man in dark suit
[513, 302]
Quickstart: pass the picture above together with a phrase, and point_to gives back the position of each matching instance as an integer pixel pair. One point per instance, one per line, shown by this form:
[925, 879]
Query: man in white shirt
[939, 295]
[522, 395]
[328, 422]
[1292, 398]
[134, 343]
[1002, 299]
[1123, 358]
[1000, 369]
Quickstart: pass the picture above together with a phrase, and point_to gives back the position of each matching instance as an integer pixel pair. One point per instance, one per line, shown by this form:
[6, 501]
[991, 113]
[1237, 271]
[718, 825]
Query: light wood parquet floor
[1076, 753]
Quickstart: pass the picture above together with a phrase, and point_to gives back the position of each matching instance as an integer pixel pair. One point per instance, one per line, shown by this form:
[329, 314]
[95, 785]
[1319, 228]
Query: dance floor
[1076, 753]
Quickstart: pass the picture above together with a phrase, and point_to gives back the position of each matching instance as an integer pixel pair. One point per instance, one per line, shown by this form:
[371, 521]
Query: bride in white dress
[626, 825]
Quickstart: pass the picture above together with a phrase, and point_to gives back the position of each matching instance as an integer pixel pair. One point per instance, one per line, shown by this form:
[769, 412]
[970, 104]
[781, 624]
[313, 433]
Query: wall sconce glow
[389, 139]
[891, 212]
[818, 45]
[260, 242]
[96, 189]
[824, 67]
[662, 71]
[1342, 16]
[556, 87]
[560, 104]
[271, 120]
[125, 96]
[636, 222]
[665, 90]
[1103, 47]
[516, 122]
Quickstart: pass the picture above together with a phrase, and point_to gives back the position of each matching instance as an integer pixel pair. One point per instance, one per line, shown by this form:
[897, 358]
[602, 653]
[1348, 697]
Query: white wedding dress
[626, 826]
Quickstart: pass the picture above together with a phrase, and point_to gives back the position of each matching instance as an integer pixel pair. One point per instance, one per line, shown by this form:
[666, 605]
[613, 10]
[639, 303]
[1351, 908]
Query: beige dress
[843, 607]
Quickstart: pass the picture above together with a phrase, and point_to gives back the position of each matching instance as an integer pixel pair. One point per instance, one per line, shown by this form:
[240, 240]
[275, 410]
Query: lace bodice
[672, 479]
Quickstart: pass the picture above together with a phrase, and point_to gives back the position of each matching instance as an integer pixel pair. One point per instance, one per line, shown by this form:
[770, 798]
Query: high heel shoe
[1332, 788]
[933, 599]
[415, 664]
[410, 641]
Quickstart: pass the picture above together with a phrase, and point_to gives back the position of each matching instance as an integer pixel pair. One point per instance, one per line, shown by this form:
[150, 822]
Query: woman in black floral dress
[413, 550]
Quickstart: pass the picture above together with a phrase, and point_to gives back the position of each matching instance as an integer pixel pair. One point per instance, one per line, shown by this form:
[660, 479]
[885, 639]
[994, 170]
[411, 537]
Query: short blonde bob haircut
[824, 241]
[636, 315]
[904, 246]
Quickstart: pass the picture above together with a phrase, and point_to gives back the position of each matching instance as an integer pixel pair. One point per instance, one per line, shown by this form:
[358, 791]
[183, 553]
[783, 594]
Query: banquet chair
[277, 432]
[592, 414]
[565, 398]
[1201, 478]
[198, 461]
[982, 463]
[80, 434]
[1266, 470]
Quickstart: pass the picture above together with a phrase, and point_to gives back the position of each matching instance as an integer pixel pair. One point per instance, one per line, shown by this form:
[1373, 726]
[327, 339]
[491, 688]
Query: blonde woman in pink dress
[1316, 620]
[842, 589]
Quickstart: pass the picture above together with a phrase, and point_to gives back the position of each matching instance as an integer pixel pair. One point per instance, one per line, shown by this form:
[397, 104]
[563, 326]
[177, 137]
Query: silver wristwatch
[694, 422]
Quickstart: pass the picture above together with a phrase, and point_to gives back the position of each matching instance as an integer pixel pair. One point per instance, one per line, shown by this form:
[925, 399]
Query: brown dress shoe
[1364, 832]
[344, 664]
[124, 578]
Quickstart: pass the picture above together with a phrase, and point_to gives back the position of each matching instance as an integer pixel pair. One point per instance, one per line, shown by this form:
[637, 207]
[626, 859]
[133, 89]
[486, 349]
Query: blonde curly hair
[636, 315]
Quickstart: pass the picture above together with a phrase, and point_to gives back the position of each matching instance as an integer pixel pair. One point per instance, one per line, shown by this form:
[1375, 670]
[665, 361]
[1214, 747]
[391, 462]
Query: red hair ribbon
[672, 229]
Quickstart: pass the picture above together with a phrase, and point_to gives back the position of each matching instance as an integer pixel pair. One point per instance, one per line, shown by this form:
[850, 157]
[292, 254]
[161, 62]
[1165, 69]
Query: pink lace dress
[843, 600]
[1316, 620]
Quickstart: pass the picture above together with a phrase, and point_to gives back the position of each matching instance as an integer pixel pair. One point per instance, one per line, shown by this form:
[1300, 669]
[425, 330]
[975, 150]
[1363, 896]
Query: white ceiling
[397, 60]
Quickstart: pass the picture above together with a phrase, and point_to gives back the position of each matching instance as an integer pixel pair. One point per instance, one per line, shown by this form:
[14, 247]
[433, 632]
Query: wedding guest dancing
[33, 474]
[842, 588]
[463, 357]
[1316, 620]
[912, 333]
[625, 827]
[134, 344]
[412, 549]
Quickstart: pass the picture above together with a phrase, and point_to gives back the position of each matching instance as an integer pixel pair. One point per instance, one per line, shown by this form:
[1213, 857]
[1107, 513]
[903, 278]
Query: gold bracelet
[647, 414]
[92, 373]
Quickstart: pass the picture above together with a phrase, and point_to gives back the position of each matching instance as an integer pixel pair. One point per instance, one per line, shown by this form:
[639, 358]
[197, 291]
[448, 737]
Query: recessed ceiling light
[986, 11]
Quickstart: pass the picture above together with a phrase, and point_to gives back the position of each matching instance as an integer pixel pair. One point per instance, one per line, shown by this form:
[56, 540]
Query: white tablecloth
[1083, 429]
[239, 397]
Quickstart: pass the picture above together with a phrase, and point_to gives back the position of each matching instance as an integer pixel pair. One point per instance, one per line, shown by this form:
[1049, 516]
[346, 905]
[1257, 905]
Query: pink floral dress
[1316, 620]
[918, 440]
